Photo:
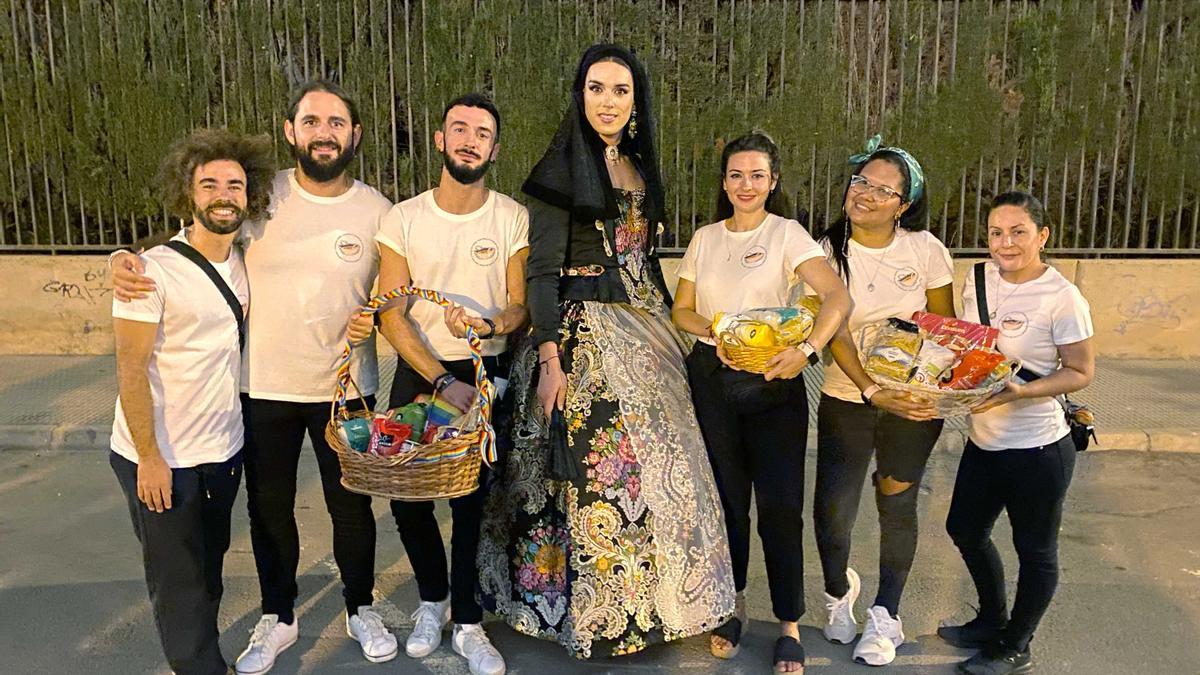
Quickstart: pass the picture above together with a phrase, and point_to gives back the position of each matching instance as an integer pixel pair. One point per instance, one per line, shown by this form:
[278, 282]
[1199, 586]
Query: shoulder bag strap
[981, 295]
[184, 249]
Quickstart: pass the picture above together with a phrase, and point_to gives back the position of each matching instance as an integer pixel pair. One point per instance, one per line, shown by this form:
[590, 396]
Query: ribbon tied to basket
[485, 390]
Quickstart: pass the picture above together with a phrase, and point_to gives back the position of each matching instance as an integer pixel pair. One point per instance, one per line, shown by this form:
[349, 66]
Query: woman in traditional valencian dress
[606, 532]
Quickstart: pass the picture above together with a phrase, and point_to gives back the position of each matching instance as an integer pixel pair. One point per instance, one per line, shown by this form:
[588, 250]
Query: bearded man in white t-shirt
[177, 435]
[470, 244]
[310, 265]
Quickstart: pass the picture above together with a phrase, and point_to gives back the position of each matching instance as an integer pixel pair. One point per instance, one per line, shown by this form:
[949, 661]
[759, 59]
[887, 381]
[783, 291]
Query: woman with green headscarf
[893, 267]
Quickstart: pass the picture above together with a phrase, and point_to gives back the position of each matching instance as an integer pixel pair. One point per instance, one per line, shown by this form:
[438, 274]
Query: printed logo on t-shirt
[907, 278]
[755, 256]
[1014, 324]
[484, 252]
[348, 247]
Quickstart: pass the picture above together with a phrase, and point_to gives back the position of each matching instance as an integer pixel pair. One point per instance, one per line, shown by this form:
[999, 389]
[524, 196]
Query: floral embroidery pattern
[632, 553]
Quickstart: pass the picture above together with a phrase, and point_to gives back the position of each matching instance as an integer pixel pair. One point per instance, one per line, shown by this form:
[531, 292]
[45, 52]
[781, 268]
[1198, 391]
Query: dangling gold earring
[633, 123]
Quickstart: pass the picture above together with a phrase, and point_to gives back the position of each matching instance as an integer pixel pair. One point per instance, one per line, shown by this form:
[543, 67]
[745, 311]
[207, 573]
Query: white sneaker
[470, 641]
[377, 642]
[841, 626]
[431, 618]
[881, 635]
[268, 638]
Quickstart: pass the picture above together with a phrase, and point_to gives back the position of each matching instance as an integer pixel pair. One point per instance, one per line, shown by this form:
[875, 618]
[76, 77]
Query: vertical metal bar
[867, 88]
[1133, 139]
[851, 75]
[1095, 210]
[883, 73]
[937, 46]
[1079, 198]
[954, 43]
[392, 102]
[1062, 203]
[429, 149]
[962, 207]
[978, 204]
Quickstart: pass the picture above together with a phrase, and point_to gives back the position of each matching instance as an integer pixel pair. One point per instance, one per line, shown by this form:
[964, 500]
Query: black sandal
[731, 632]
[788, 648]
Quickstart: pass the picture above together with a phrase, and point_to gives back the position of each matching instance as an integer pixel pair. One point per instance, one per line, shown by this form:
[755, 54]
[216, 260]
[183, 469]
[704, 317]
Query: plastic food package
[356, 433]
[388, 436]
[932, 361]
[767, 326]
[430, 434]
[441, 412]
[413, 414]
[956, 334]
[895, 352]
[973, 369]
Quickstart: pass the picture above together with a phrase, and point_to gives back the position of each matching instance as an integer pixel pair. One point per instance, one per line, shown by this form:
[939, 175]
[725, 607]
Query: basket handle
[484, 388]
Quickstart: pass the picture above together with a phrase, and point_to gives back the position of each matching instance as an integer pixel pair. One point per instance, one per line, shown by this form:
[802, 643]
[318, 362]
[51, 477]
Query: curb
[95, 436]
[54, 437]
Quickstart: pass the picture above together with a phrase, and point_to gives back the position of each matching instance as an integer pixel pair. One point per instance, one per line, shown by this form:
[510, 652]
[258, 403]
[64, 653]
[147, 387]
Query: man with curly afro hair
[177, 437]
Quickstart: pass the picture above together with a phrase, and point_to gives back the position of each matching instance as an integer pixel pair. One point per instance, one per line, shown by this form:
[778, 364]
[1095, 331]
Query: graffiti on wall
[90, 286]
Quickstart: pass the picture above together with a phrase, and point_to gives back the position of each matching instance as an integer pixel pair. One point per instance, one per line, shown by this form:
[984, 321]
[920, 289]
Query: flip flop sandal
[788, 649]
[731, 632]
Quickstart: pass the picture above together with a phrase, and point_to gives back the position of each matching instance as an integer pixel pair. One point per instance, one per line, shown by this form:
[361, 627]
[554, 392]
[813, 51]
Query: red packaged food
[430, 434]
[956, 334]
[388, 437]
[973, 369]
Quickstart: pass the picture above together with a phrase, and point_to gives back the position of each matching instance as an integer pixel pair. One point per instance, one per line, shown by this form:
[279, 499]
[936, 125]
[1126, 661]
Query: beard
[323, 171]
[217, 226]
[463, 173]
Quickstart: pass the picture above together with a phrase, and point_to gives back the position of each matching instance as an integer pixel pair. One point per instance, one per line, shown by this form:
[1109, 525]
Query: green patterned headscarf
[916, 176]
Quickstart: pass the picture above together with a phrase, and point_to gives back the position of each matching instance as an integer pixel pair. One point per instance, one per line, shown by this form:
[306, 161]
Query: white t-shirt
[1034, 318]
[900, 274]
[736, 271]
[195, 368]
[311, 264]
[463, 257]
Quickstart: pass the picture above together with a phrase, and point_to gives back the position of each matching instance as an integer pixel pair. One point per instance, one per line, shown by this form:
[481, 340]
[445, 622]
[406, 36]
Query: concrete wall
[1141, 308]
[55, 305]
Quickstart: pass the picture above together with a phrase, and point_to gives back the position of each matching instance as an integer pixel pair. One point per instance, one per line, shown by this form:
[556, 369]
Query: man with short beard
[310, 265]
[469, 243]
[177, 436]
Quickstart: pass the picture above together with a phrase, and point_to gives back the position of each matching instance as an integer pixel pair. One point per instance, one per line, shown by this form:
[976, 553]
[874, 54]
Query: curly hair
[255, 154]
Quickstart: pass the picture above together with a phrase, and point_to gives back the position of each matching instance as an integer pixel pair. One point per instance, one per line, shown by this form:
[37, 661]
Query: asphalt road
[73, 599]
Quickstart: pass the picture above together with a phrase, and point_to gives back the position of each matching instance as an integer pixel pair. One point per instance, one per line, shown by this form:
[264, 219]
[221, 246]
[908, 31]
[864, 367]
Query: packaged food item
[998, 375]
[440, 412]
[388, 436]
[956, 334]
[431, 431]
[766, 326]
[447, 432]
[413, 414]
[356, 433]
[973, 369]
[932, 361]
[894, 351]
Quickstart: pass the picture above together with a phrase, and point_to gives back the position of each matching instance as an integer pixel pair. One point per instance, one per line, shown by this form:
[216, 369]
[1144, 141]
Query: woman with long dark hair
[893, 268]
[606, 532]
[1020, 455]
[752, 256]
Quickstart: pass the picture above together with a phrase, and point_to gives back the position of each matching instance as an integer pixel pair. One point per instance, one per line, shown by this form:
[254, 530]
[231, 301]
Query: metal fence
[1090, 104]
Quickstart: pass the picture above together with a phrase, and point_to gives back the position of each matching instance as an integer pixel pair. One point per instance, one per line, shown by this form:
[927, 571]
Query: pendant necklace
[878, 266]
[1016, 287]
[611, 154]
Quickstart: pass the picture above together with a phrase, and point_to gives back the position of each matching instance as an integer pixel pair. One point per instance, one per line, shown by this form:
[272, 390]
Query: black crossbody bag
[1079, 418]
[185, 249]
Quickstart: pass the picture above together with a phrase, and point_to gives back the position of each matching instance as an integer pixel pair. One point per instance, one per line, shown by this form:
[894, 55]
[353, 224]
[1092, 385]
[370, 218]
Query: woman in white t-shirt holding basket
[893, 268]
[752, 257]
[1020, 455]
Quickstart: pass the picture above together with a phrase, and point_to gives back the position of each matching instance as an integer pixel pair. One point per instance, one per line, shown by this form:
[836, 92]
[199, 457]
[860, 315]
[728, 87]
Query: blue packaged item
[357, 433]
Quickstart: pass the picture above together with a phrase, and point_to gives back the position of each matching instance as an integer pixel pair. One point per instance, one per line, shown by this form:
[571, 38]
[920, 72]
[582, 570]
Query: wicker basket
[441, 470]
[749, 358]
[948, 402]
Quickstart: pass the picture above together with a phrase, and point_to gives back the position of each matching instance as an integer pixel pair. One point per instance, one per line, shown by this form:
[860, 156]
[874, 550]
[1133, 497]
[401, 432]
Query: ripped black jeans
[848, 435]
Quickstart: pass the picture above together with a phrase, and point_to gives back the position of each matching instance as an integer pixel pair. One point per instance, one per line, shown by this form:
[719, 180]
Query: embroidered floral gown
[634, 552]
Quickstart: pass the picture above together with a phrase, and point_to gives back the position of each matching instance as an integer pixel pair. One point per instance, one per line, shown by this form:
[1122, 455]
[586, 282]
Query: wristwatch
[869, 392]
[810, 352]
[491, 329]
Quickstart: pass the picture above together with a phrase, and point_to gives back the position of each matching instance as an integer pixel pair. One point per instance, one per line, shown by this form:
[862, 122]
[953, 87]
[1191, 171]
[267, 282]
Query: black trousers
[760, 453]
[274, 435]
[183, 551]
[418, 526]
[1031, 484]
[848, 435]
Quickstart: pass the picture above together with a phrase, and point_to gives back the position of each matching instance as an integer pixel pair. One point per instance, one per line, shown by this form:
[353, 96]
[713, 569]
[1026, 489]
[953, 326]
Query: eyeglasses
[880, 192]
